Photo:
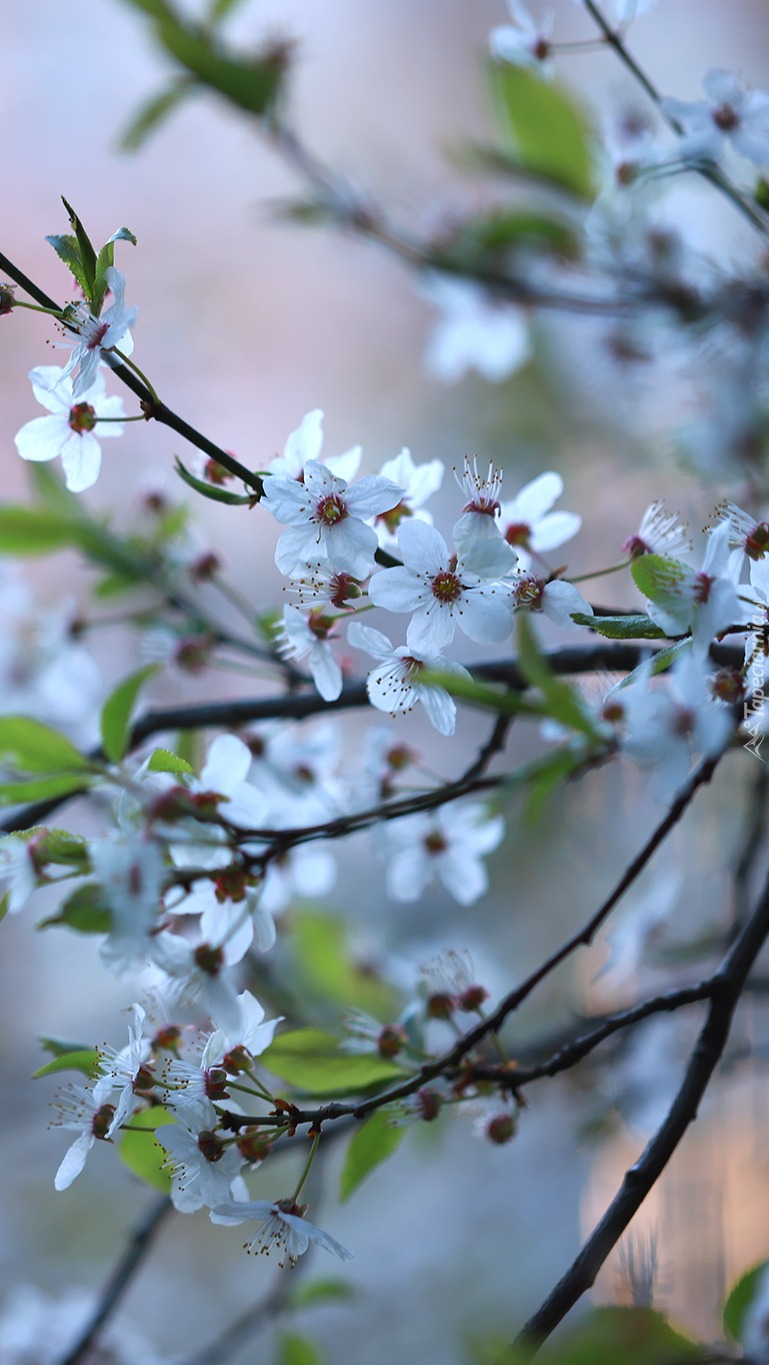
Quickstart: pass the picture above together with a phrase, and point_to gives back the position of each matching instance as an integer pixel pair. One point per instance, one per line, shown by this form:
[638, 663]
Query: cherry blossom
[665, 727]
[479, 515]
[527, 523]
[729, 114]
[130, 869]
[126, 1069]
[446, 846]
[74, 428]
[325, 517]
[225, 772]
[660, 533]
[524, 42]
[18, 875]
[308, 636]
[557, 600]
[418, 482]
[202, 1168]
[100, 335]
[282, 1229]
[394, 684]
[83, 1110]
[306, 443]
[704, 602]
[445, 591]
[474, 332]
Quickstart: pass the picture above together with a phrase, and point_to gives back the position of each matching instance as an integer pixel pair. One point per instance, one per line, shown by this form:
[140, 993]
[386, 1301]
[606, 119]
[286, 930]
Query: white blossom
[86, 1111]
[198, 1179]
[225, 771]
[524, 42]
[75, 426]
[282, 1229]
[557, 600]
[100, 335]
[18, 875]
[446, 846]
[474, 332]
[326, 518]
[308, 636]
[446, 591]
[666, 726]
[729, 114]
[418, 483]
[306, 443]
[527, 523]
[660, 533]
[394, 684]
[704, 602]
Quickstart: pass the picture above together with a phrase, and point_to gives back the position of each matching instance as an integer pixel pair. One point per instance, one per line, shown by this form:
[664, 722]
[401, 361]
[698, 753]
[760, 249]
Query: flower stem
[599, 573]
[127, 361]
[306, 1170]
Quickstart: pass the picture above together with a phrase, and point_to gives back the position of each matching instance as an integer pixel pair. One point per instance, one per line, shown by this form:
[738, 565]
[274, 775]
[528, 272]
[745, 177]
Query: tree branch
[727, 987]
[118, 1282]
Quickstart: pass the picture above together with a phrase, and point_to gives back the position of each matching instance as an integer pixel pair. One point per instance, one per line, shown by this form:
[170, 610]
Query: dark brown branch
[752, 844]
[118, 1282]
[157, 411]
[727, 987]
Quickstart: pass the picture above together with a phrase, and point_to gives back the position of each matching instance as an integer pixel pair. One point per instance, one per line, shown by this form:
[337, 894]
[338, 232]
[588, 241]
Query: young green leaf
[85, 1060]
[660, 661]
[31, 747]
[116, 715]
[324, 1290]
[163, 761]
[374, 1141]
[142, 1154]
[253, 85]
[655, 577]
[561, 701]
[27, 531]
[210, 490]
[296, 1350]
[86, 910]
[41, 788]
[67, 250]
[740, 1298]
[545, 126]
[310, 1060]
[551, 773]
[328, 969]
[621, 627]
[57, 1047]
[85, 249]
[152, 114]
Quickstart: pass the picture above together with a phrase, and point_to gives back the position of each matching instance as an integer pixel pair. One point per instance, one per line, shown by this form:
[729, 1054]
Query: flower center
[528, 592]
[394, 517]
[683, 722]
[757, 543]
[726, 117]
[518, 533]
[211, 1147]
[446, 586]
[330, 510]
[487, 507]
[82, 418]
[209, 959]
[102, 1119]
[702, 586]
[435, 843]
[541, 49]
[96, 334]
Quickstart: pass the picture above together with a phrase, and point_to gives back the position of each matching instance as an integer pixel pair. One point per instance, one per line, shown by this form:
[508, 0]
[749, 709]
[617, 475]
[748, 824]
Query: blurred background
[244, 326]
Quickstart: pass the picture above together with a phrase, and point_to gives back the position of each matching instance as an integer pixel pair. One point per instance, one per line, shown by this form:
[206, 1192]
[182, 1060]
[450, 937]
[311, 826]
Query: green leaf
[561, 701]
[659, 661]
[150, 116]
[621, 627]
[85, 1060]
[551, 773]
[19, 793]
[142, 1154]
[740, 1299]
[329, 1289]
[210, 490]
[310, 1060]
[158, 9]
[655, 577]
[123, 234]
[327, 967]
[116, 715]
[251, 85]
[67, 250]
[374, 1141]
[85, 248]
[507, 703]
[163, 761]
[58, 1048]
[86, 910]
[34, 748]
[116, 583]
[26, 531]
[296, 1350]
[59, 846]
[52, 489]
[544, 125]
[630, 1336]
[503, 230]
[219, 9]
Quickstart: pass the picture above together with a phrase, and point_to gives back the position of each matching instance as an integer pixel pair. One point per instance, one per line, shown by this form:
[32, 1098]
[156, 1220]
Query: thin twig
[121, 1277]
[752, 844]
[727, 987]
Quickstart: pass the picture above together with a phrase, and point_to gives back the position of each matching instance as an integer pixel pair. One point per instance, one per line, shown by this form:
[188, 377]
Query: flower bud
[209, 960]
[6, 298]
[501, 1129]
[472, 999]
[204, 567]
[216, 472]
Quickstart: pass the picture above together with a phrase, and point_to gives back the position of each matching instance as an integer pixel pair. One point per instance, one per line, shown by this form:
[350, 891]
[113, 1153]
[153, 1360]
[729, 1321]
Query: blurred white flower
[474, 332]
[74, 428]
